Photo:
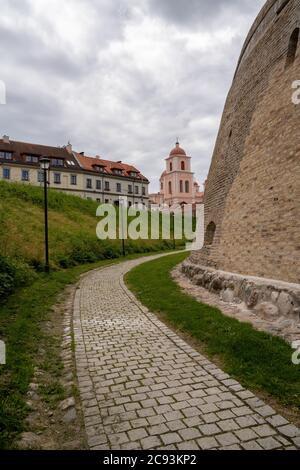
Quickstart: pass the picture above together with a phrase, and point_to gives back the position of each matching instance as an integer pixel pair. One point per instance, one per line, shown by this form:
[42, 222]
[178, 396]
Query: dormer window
[99, 168]
[31, 159]
[133, 174]
[57, 162]
[117, 171]
[6, 155]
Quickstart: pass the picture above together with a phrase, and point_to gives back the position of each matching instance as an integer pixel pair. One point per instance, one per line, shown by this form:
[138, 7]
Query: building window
[181, 186]
[31, 159]
[40, 176]
[98, 185]
[161, 186]
[99, 168]
[57, 162]
[137, 190]
[183, 166]
[293, 45]
[106, 201]
[210, 233]
[116, 171]
[107, 187]
[144, 191]
[119, 188]
[6, 173]
[130, 189]
[6, 155]
[73, 180]
[170, 187]
[57, 178]
[89, 183]
[129, 204]
[25, 175]
[187, 187]
[171, 166]
[98, 200]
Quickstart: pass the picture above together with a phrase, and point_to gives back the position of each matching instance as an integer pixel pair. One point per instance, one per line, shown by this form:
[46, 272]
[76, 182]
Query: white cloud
[121, 79]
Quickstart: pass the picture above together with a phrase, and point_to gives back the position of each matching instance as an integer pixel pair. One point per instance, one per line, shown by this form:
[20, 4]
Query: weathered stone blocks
[269, 299]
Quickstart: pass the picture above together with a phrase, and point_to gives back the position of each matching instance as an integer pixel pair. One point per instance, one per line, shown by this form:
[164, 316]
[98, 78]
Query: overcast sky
[121, 79]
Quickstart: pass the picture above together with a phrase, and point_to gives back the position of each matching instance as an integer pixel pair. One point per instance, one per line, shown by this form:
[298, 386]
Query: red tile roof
[70, 159]
[20, 149]
[90, 164]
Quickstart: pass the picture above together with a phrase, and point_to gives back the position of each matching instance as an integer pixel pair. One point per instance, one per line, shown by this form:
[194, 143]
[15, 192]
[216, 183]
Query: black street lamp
[122, 207]
[173, 229]
[45, 165]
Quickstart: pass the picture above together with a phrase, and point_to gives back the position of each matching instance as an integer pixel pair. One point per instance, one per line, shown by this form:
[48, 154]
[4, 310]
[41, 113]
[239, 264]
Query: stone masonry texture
[143, 387]
[253, 192]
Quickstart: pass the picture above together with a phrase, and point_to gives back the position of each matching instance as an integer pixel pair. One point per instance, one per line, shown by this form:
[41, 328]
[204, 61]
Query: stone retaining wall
[268, 298]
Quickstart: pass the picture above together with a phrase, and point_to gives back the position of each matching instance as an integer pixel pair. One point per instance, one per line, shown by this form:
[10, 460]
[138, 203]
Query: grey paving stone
[189, 434]
[264, 430]
[228, 425]
[150, 442]
[137, 434]
[246, 435]
[207, 443]
[289, 430]
[269, 443]
[209, 429]
[171, 438]
[227, 439]
[251, 445]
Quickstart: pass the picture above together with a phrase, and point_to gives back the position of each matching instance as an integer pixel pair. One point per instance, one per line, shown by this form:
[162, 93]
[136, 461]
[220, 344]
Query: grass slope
[72, 229]
[258, 360]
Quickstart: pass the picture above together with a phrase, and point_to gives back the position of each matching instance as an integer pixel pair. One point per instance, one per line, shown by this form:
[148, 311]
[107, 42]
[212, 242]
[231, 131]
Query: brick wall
[252, 193]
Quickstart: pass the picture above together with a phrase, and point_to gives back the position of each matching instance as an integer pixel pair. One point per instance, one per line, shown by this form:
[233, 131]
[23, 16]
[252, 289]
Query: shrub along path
[143, 387]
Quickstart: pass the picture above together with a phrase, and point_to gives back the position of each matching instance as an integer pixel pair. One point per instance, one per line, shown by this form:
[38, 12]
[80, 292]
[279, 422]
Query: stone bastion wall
[253, 192]
[252, 197]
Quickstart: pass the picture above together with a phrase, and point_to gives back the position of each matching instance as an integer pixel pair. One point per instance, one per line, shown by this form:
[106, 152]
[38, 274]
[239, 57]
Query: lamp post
[121, 222]
[45, 165]
[173, 229]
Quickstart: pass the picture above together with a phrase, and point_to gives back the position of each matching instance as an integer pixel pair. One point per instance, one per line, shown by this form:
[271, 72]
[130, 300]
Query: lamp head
[45, 163]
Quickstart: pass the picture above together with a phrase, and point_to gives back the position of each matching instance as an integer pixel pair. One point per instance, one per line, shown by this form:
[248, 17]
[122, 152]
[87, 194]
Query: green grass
[21, 320]
[261, 362]
[72, 229]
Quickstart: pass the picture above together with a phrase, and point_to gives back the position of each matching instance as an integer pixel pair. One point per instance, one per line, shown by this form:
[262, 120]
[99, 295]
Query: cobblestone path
[143, 387]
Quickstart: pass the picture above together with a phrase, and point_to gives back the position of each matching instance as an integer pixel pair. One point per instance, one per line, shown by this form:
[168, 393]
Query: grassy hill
[27, 294]
[72, 234]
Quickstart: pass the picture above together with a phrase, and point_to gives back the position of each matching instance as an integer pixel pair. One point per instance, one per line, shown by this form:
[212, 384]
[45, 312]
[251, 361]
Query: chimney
[69, 147]
[5, 139]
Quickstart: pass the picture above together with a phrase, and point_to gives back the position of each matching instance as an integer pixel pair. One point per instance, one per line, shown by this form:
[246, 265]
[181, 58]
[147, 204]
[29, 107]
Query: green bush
[13, 274]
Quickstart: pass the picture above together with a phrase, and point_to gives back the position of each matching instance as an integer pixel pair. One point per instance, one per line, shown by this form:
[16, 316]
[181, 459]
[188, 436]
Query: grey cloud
[111, 97]
[195, 12]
